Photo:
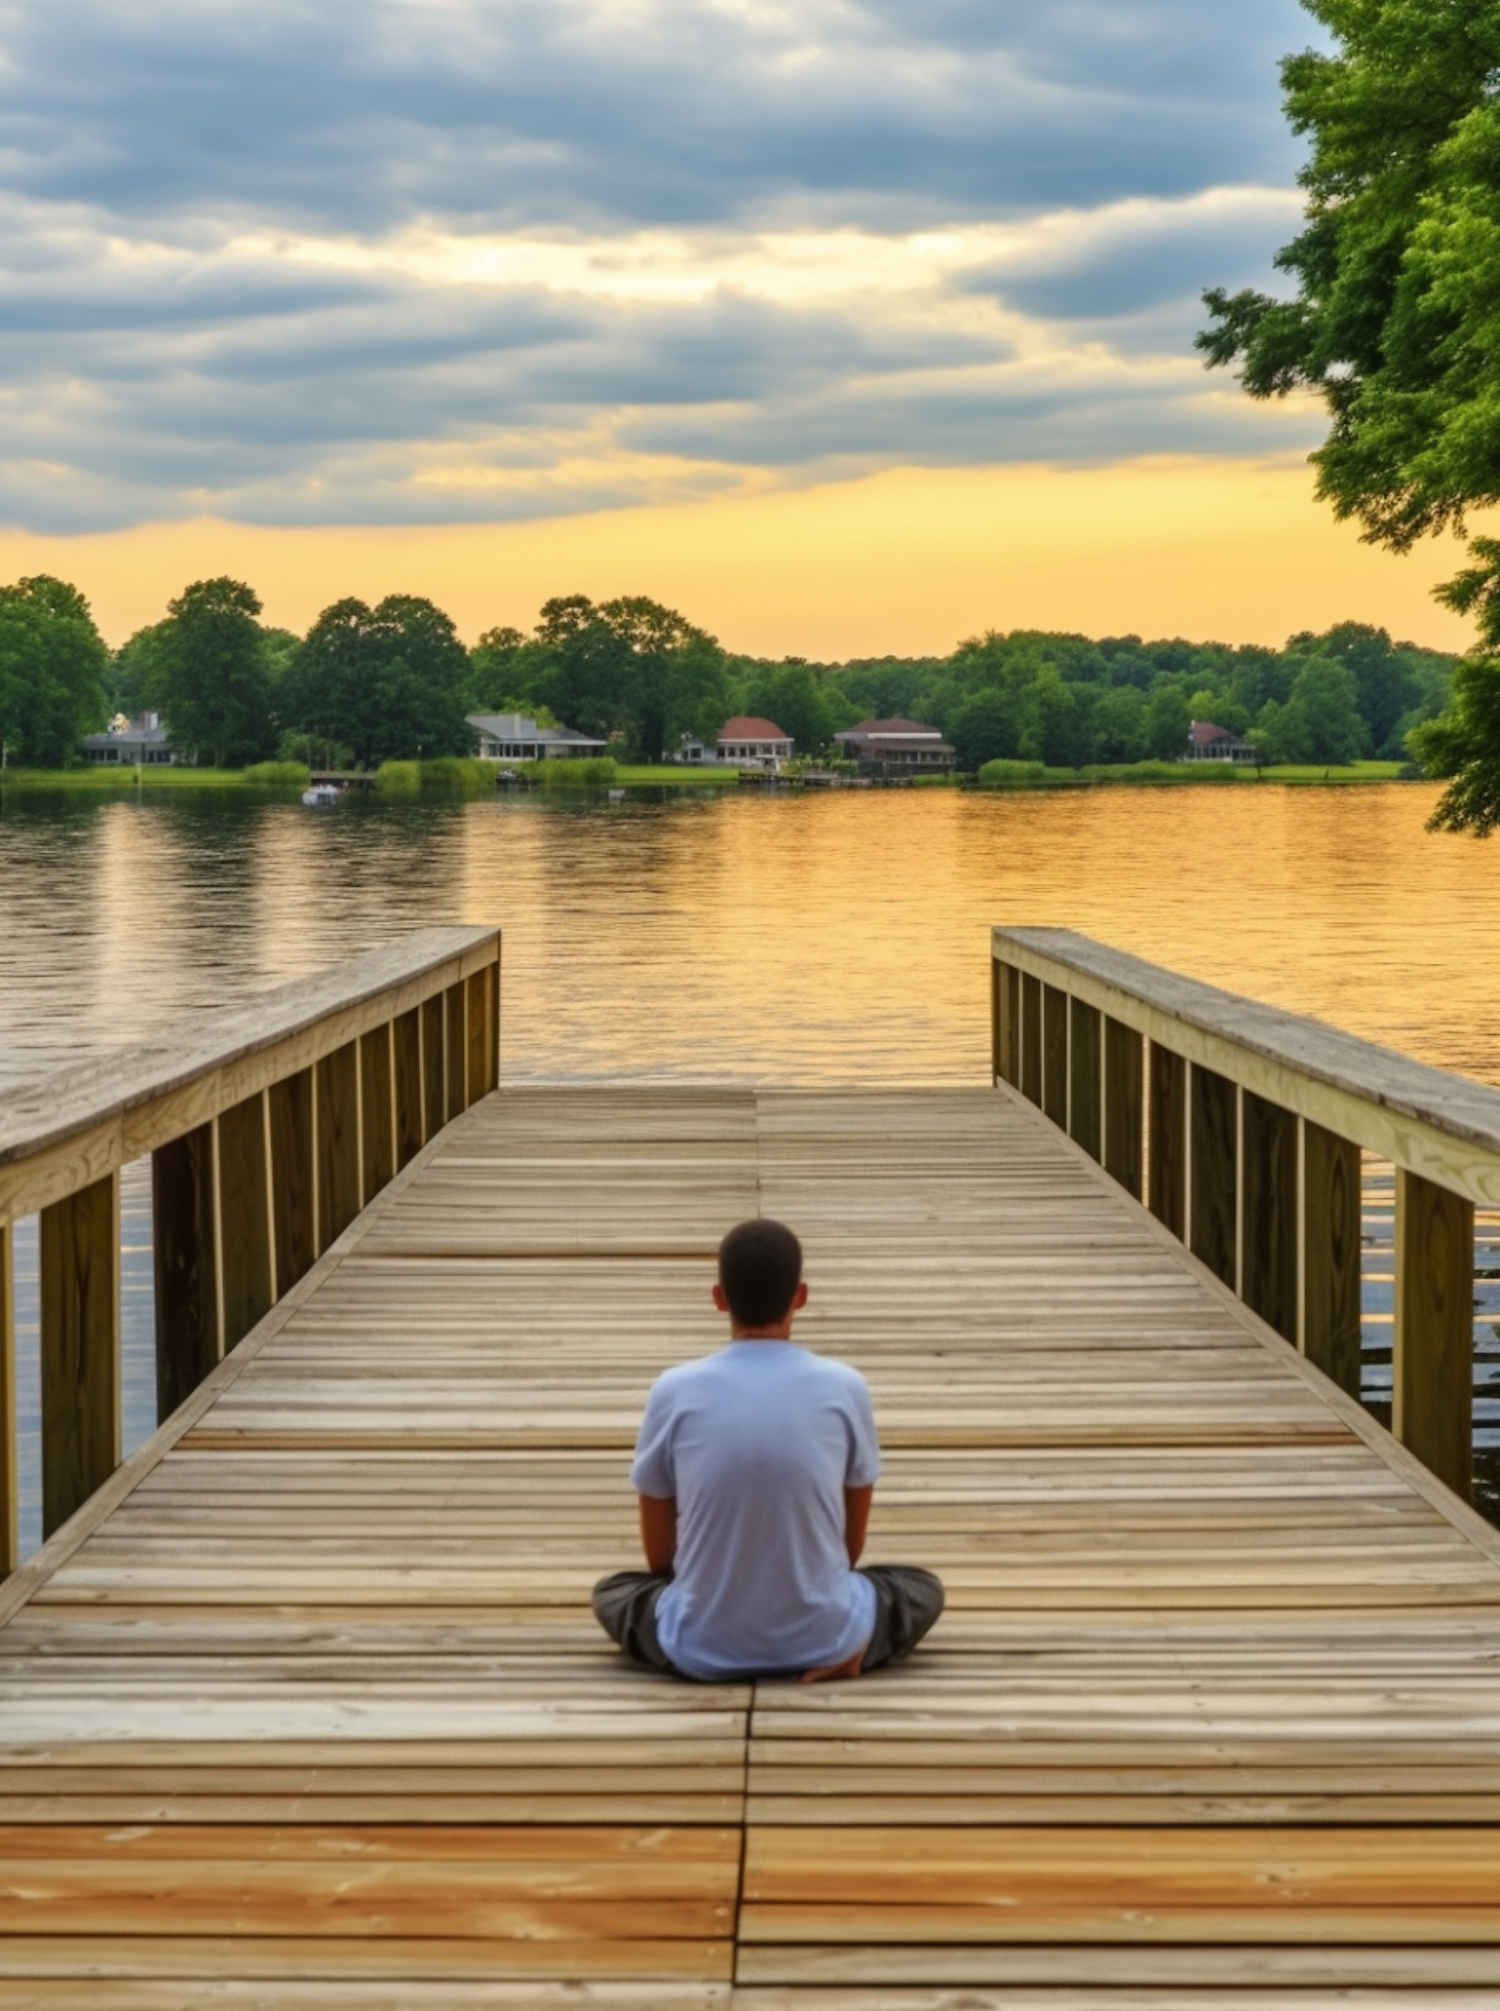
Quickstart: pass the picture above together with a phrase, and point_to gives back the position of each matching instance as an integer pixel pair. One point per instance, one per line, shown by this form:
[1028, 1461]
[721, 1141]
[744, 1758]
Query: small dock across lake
[304, 1707]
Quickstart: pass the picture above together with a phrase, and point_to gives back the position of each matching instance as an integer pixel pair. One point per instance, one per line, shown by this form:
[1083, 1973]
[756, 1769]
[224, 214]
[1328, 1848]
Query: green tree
[1324, 699]
[211, 676]
[1280, 735]
[387, 682]
[1167, 721]
[675, 677]
[1393, 321]
[53, 667]
[800, 702]
[1119, 725]
[1464, 745]
[984, 729]
[495, 670]
[134, 679]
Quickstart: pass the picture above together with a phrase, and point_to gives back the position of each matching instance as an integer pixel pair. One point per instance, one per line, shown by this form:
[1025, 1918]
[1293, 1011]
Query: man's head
[760, 1276]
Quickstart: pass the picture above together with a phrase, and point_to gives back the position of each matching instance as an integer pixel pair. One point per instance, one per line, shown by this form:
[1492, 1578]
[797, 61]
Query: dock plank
[317, 1718]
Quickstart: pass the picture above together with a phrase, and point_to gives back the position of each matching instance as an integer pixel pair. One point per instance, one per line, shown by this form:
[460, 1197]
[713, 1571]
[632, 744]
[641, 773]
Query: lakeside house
[1207, 742]
[141, 742]
[743, 742]
[897, 747]
[515, 736]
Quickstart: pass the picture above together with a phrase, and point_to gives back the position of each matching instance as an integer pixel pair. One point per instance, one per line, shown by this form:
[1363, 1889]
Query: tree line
[394, 681]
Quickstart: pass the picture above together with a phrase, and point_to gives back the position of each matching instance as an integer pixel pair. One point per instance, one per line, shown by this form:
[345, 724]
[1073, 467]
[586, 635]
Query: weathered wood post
[80, 1342]
[294, 1178]
[1085, 1076]
[10, 1534]
[1124, 1101]
[434, 1072]
[410, 1135]
[455, 1050]
[1269, 1220]
[1330, 1252]
[1433, 1374]
[336, 1129]
[377, 1110]
[1055, 1055]
[247, 1263]
[1213, 1161]
[1031, 1037]
[1168, 1122]
[185, 1260]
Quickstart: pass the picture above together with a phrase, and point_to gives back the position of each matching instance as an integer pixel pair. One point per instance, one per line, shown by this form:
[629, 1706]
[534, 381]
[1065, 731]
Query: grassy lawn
[1356, 771]
[677, 774]
[117, 780]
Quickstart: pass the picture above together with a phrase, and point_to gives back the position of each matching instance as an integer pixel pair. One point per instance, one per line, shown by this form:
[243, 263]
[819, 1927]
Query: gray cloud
[165, 350]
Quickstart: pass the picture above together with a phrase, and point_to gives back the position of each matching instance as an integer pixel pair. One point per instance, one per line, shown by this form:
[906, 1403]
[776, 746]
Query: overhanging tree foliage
[1396, 314]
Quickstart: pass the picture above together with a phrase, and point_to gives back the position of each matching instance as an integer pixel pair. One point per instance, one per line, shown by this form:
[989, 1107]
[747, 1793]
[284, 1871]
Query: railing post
[997, 1021]
[434, 1072]
[1031, 1037]
[185, 1262]
[478, 1020]
[336, 1126]
[1124, 1078]
[455, 1049]
[1168, 1102]
[377, 1111]
[246, 1257]
[294, 1178]
[1433, 1373]
[1329, 1334]
[80, 1304]
[407, 1034]
[1213, 1159]
[1269, 1216]
[1055, 1055]
[1085, 1124]
[10, 1531]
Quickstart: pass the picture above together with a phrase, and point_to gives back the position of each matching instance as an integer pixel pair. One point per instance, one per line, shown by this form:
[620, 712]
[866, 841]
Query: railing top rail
[70, 1103]
[1276, 1048]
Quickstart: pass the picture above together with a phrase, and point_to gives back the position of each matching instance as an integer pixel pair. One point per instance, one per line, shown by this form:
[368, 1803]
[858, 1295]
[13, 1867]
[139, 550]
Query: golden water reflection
[804, 938]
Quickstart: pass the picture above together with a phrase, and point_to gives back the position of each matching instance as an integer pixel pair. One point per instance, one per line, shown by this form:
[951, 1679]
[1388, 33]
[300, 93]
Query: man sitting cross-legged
[755, 1468]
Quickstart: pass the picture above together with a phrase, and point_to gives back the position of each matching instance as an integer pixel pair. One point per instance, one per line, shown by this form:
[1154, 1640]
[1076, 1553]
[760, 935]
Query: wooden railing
[269, 1127]
[1241, 1128]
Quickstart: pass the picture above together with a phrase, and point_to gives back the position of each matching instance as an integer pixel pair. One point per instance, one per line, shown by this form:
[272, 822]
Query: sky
[843, 325]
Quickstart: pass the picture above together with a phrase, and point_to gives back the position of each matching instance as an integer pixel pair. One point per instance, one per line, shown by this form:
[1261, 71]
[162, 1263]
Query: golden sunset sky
[847, 328]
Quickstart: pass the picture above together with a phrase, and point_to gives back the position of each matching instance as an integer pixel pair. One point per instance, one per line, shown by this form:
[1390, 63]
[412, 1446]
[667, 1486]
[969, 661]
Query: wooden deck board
[318, 1717]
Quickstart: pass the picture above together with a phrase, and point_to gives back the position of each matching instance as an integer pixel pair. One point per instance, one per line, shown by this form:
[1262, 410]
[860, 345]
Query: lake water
[802, 938]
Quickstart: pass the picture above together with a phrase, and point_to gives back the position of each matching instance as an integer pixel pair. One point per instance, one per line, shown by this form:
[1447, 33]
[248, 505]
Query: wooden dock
[306, 1709]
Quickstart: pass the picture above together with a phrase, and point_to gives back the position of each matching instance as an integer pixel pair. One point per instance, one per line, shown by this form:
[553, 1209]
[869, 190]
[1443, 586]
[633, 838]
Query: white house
[515, 736]
[743, 743]
[130, 743]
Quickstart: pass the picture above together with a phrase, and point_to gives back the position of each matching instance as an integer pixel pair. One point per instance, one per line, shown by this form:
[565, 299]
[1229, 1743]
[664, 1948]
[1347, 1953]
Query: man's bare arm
[857, 1518]
[658, 1532]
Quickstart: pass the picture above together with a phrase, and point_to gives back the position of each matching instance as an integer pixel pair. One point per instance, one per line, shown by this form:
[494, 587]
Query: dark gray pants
[908, 1601]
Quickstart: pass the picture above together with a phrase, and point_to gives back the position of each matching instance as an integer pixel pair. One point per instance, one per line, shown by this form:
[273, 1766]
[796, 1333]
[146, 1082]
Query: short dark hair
[760, 1268]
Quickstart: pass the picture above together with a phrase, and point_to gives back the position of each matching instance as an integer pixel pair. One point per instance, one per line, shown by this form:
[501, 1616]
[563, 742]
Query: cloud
[456, 259]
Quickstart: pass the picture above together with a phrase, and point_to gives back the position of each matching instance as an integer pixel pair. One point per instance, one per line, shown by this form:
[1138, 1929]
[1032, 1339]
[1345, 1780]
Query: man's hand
[837, 1669]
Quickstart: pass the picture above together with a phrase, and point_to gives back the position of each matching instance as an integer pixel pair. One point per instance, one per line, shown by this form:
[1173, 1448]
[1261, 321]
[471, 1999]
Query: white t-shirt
[756, 1444]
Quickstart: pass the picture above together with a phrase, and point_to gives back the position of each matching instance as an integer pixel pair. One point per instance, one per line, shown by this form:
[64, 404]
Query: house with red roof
[744, 742]
[1207, 742]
